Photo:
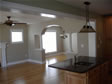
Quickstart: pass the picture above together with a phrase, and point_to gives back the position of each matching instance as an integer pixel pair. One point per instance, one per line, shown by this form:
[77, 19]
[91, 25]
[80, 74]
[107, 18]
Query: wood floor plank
[31, 73]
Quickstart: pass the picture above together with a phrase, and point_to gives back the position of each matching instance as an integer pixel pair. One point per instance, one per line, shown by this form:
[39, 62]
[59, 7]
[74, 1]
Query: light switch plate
[82, 45]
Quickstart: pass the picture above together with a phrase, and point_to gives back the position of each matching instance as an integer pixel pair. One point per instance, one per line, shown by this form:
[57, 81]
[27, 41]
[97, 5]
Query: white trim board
[23, 61]
[50, 55]
[35, 61]
[17, 62]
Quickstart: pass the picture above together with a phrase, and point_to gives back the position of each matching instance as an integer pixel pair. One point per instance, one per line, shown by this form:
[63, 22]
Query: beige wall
[83, 44]
[0, 55]
[35, 53]
[72, 25]
[57, 6]
[69, 24]
[4, 33]
[15, 52]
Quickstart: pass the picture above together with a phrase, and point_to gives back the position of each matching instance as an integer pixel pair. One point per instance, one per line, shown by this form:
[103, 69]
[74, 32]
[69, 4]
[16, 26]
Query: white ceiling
[22, 18]
[103, 7]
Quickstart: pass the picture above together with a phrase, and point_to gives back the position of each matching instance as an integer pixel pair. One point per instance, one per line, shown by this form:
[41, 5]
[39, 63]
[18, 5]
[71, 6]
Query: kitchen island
[84, 70]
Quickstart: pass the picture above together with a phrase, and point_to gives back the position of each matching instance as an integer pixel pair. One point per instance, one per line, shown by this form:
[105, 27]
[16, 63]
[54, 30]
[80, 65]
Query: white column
[3, 46]
[70, 39]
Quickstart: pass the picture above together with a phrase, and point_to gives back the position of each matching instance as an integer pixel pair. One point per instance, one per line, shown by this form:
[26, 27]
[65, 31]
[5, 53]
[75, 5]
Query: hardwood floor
[31, 73]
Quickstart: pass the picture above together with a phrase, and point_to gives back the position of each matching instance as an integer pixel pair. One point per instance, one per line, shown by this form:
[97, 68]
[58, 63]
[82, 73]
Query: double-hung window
[17, 35]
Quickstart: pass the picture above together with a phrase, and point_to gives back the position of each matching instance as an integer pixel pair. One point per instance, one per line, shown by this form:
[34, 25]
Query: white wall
[92, 41]
[66, 43]
[75, 43]
[92, 44]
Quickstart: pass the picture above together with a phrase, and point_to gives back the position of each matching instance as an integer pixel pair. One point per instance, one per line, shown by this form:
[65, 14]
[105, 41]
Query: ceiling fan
[10, 22]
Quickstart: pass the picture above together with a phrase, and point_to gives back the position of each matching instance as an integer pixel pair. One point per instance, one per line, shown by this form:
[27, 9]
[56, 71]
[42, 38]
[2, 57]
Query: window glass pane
[17, 37]
[49, 42]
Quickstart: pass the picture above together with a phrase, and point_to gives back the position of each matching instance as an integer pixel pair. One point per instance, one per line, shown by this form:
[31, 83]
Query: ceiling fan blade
[19, 23]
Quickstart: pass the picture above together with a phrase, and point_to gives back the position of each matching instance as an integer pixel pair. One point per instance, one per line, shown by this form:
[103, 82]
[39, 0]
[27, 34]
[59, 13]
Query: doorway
[49, 42]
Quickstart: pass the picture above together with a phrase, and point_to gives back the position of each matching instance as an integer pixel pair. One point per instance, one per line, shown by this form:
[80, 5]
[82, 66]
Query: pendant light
[87, 28]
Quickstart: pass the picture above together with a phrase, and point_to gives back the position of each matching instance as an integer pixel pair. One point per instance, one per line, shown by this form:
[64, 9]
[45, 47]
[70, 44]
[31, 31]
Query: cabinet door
[108, 37]
[72, 78]
[75, 80]
[104, 73]
[94, 76]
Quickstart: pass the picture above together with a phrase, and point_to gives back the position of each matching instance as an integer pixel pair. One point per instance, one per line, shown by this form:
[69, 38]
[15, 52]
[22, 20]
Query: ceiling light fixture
[48, 15]
[87, 28]
[15, 11]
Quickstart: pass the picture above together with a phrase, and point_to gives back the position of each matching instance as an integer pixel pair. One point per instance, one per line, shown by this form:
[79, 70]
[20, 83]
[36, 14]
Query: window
[16, 36]
[49, 42]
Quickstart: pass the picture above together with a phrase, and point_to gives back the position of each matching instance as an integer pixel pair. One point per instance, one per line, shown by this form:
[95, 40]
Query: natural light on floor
[49, 42]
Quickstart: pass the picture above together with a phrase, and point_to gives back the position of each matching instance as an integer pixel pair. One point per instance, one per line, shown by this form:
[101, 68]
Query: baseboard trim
[35, 61]
[50, 55]
[23, 61]
[17, 62]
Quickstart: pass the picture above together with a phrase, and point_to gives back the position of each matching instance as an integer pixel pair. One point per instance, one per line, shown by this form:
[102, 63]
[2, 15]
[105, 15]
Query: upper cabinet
[107, 34]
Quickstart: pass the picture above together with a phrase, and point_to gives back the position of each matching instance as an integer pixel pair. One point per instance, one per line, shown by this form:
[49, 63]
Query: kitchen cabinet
[107, 35]
[97, 75]
[94, 76]
[71, 78]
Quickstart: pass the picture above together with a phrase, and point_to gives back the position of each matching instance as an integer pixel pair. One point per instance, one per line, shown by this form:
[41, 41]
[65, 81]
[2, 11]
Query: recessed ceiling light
[15, 11]
[48, 15]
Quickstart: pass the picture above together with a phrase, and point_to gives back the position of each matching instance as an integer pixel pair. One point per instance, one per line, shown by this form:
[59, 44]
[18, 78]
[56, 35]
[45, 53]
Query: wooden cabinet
[107, 34]
[75, 78]
[98, 75]
[94, 76]
[104, 73]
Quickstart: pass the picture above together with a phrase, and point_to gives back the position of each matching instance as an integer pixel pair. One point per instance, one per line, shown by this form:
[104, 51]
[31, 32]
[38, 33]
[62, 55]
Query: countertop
[71, 65]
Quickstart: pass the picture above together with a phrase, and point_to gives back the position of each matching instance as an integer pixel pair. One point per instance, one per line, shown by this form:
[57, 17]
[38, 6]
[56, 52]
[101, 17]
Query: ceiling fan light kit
[87, 28]
[10, 22]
